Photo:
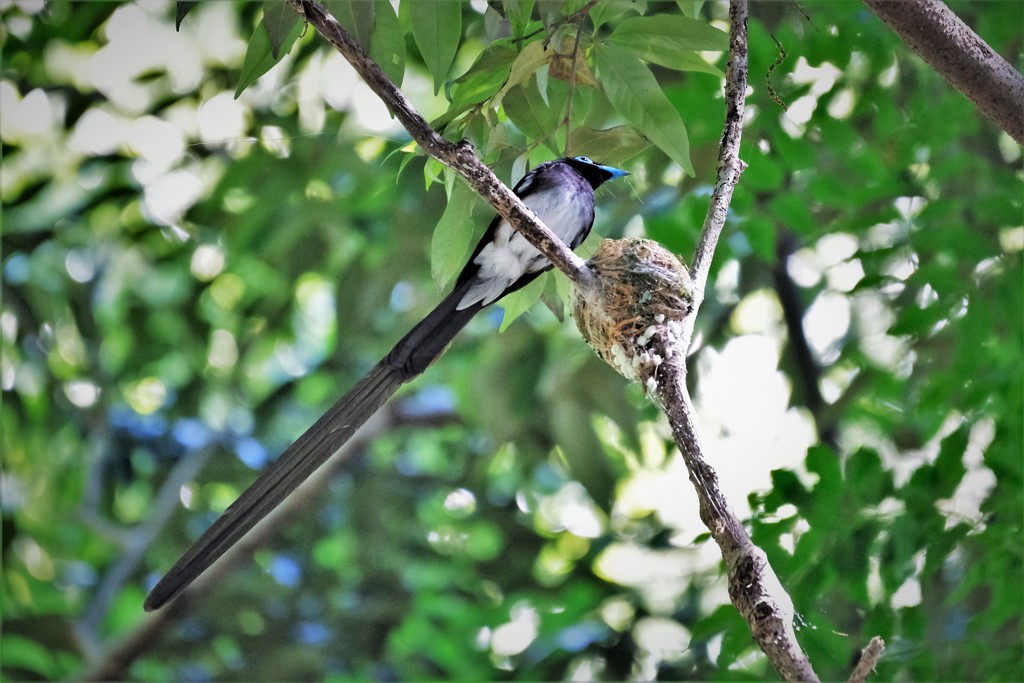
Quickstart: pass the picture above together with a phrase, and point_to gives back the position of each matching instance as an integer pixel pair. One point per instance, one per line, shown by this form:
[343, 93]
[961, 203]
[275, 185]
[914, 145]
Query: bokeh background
[190, 279]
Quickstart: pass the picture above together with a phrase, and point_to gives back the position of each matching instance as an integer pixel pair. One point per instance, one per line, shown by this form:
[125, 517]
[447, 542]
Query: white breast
[509, 256]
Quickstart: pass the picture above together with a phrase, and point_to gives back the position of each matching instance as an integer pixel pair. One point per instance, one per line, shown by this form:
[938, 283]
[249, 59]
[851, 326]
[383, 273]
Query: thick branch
[458, 156]
[960, 56]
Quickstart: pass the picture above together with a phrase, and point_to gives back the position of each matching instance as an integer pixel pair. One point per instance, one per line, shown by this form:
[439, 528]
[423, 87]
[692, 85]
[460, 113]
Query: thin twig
[572, 89]
[869, 657]
[730, 166]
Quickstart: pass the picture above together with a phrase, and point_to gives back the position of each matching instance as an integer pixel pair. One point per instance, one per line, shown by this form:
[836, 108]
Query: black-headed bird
[561, 193]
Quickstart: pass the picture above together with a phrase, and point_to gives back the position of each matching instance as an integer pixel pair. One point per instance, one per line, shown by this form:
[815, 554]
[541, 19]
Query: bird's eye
[585, 160]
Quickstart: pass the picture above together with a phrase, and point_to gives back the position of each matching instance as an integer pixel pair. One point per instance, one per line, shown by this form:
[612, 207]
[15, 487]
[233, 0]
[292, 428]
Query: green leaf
[356, 16]
[949, 466]
[477, 88]
[278, 19]
[527, 110]
[637, 96]
[825, 463]
[518, 13]
[556, 295]
[610, 146]
[607, 10]
[437, 29]
[690, 8]
[487, 75]
[258, 58]
[677, 61]
[432, 173]
[760, 233]
[666, 32]
[387, 44]
[792, 212]
[182, 7]
[670, 41]
[532, 57]
[27, 655]
[865, 477]
[550, 11]
[517, 303]
[453, 236]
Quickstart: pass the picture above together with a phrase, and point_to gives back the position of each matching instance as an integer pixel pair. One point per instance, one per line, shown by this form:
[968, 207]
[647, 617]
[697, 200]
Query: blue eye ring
[585, 160]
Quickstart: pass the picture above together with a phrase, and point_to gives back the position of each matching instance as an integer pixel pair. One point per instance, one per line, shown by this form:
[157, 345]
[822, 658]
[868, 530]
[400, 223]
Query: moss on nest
[643, 291]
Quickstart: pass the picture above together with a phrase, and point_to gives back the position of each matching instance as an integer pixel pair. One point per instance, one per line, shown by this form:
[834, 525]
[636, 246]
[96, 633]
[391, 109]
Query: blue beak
[613, 172]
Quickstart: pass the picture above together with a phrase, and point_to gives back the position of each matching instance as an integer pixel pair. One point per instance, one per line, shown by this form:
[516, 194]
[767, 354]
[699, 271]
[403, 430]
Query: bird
[561, 193]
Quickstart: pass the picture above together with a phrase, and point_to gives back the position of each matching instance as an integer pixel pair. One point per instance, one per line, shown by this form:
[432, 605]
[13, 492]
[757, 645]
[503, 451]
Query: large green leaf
[437, 29]
[670, 41]
[518, 12]
[453, 235]
[23, 654]
[670, 32]
[637, 96]
[526, 109]
[387, 45]
[278, 19]
[611, 146]
[608, 10]
[532, 57]
[517, 303]
[356, 16]
[259, 58]
[483, 80]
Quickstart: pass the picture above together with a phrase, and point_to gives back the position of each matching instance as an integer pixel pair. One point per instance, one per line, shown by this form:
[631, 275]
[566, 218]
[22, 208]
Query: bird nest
[633, 317]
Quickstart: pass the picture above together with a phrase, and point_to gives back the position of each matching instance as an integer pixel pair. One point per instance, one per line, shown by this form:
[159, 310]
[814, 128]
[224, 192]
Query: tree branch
[868, 660]
[754, 589]
[137, 542]
[959, 55]
[640, 318]
[730, 166]
[458, 156]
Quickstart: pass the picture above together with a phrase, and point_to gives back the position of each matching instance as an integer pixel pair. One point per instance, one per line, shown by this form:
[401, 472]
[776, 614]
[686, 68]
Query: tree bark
[959, 55]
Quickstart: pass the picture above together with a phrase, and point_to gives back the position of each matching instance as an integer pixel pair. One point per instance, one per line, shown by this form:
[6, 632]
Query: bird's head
[595, 173]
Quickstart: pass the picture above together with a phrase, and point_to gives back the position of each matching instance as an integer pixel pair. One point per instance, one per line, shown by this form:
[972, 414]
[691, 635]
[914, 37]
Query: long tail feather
[410, 357]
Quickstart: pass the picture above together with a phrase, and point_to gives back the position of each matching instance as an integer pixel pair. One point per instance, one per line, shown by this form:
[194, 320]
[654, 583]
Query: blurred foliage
[189, 279]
